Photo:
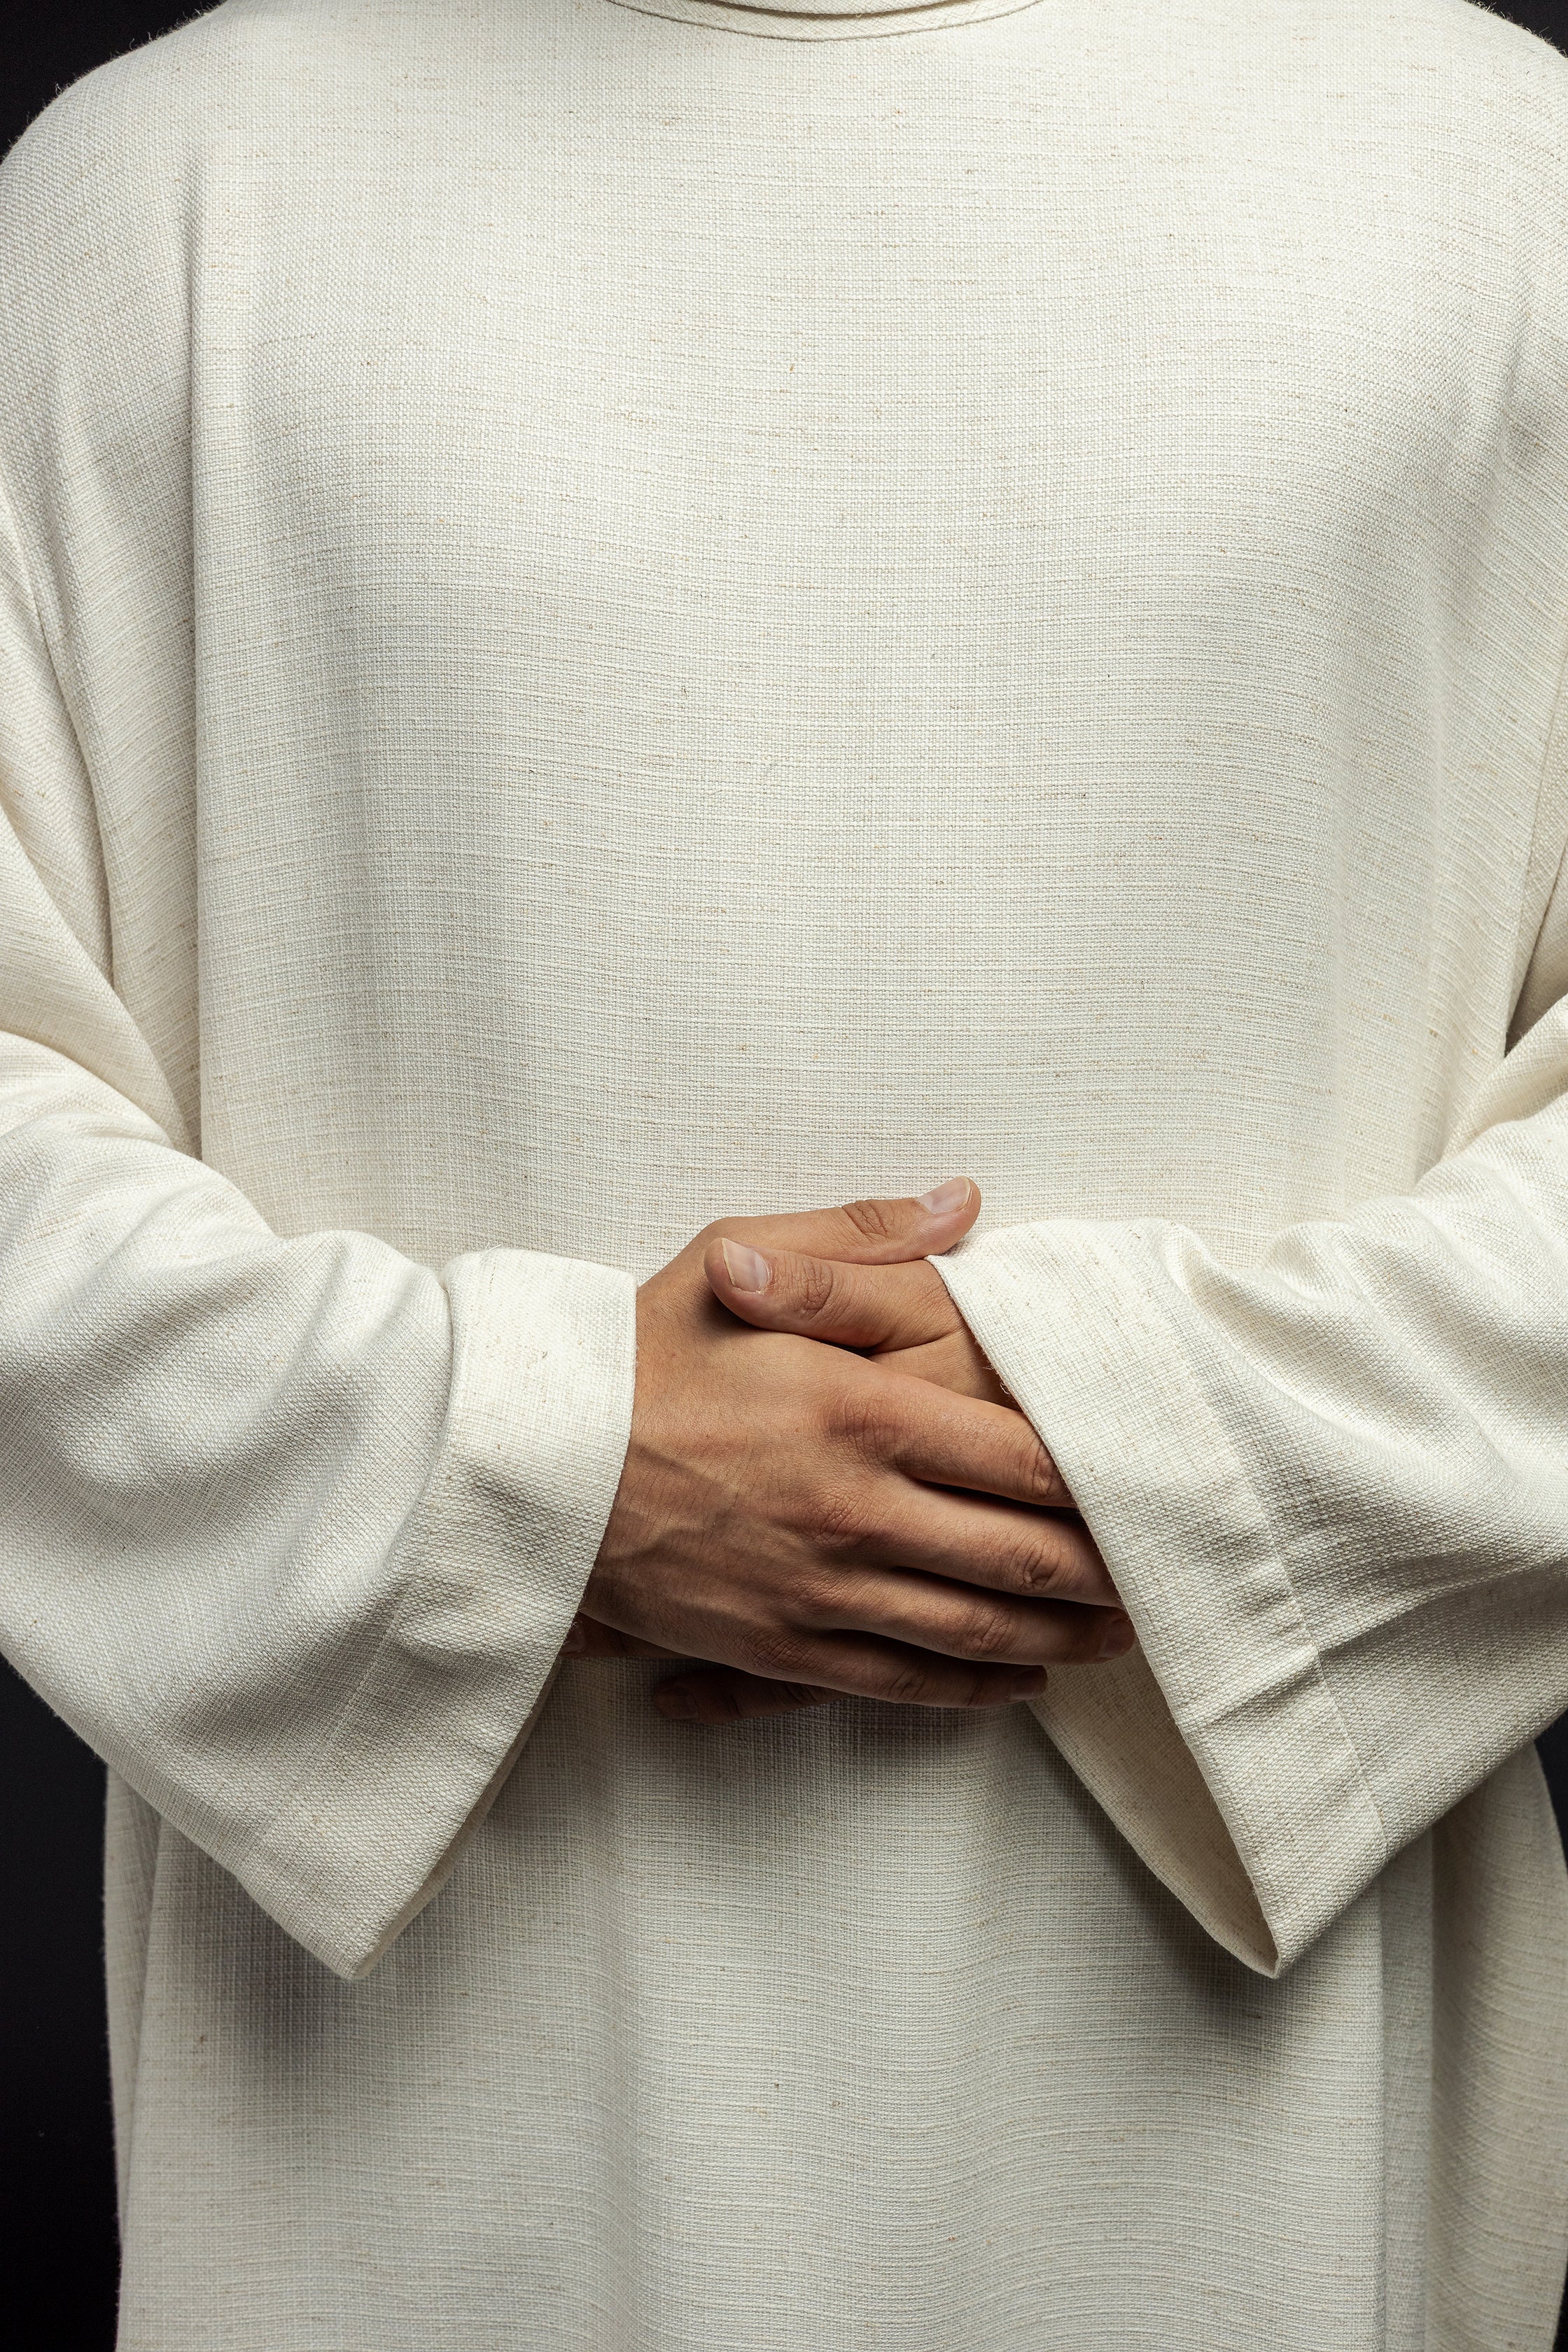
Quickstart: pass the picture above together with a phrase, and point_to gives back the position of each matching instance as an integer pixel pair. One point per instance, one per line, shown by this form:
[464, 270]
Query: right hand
[791, 1510]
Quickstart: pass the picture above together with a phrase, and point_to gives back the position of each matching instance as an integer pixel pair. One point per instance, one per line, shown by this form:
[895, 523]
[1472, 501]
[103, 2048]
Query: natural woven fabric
[615, 614]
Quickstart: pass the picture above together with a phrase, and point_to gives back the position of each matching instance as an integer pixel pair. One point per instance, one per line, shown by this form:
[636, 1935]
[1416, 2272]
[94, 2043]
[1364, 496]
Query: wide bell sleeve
[290, 1529]
[1332, 1488]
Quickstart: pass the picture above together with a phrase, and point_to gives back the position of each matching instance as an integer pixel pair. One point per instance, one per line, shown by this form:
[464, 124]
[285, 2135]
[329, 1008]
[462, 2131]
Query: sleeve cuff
[494, 1563]
[1217, 1747]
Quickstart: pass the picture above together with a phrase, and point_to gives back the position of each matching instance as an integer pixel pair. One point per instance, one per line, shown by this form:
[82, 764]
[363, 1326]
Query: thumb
[825, 1298]
[871, 1233]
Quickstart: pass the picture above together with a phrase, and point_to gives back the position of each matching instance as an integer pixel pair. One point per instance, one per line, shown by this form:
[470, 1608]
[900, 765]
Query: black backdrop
[58, 2254]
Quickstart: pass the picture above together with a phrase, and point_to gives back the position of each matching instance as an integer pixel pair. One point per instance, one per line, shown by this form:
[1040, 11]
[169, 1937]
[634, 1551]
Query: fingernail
[677, 1701]
[576, 1642]
[946, 1198]
[1117, 1638]
[747, 1269]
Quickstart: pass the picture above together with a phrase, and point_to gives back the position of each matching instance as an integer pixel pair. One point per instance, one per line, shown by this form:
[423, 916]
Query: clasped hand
[825, 1491]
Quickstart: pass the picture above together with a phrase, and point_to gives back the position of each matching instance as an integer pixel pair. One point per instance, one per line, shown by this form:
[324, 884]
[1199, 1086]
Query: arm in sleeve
[1333, 1489]
[290, 1530]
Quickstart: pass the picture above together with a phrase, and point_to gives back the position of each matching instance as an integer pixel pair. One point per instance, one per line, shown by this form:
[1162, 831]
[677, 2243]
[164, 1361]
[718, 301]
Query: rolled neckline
[818, 24]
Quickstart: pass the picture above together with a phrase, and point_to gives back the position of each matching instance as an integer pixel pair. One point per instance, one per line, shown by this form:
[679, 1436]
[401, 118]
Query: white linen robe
[614, 615]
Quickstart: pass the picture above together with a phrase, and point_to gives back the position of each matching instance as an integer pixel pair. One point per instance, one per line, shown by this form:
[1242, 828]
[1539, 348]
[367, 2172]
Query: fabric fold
[493, 1571]
[1216, 1748]
[1329, 1488]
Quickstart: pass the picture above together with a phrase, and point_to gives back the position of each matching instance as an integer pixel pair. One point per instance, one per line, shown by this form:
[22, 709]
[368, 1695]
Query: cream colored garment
[608, 620]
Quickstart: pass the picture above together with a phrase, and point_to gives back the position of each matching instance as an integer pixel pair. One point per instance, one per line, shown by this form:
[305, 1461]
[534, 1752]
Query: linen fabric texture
[613, 616]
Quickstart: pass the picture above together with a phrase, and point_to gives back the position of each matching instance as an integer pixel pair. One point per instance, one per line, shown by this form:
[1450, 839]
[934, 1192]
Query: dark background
[58, 2254]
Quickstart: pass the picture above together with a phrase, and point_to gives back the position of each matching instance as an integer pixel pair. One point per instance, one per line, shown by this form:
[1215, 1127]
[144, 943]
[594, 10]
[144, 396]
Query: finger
[872, 1233]
[1032, 1555]
[728, 1695]
[829, 1298]
[587, 1638]
[858, 1666]
[725, 1694]
[965, 1620]
[955, 1362]
[947, 1440]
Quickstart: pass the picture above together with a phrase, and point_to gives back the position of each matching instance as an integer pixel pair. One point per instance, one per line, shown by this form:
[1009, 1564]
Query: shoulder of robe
[1497, 103]
[1463, 32]
[113, 202]
[116, 153]
[103, 206]
[1509, 86]
[1448, 82]
[108, 196]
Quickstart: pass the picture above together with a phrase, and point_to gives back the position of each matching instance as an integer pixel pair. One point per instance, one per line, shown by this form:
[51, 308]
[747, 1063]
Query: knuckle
[1040, 1476]
[729, 1229]
[873, 1221]
[988, 1687]
[840, 1518]
[860, 1418]
[1051, 1565]
[814, 1283]
[778, 1653]
[988, 1631]
[1028, 1565]
[801, 1693]
[906, 1685]
[816, 1600]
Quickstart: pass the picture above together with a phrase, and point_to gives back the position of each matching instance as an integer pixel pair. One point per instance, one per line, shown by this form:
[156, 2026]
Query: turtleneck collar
[827, 20]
